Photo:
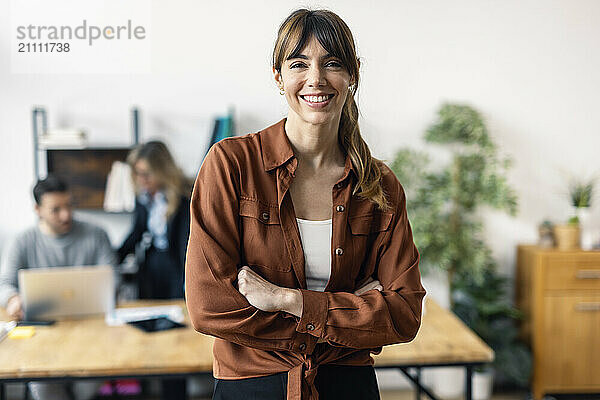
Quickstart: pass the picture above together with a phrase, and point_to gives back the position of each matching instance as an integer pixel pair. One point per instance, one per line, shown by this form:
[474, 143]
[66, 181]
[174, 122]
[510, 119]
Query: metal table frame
[415, 377]
[4, 381]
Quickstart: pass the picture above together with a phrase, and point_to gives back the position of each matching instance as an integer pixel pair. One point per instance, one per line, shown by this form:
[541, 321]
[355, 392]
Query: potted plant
[576, 231]
[581, 193]
[484, 307]
[443, 203]
[567, 235]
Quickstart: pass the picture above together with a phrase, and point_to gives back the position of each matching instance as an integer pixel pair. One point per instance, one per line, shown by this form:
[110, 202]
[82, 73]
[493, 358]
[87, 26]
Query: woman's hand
[261, 293]
[370, 284]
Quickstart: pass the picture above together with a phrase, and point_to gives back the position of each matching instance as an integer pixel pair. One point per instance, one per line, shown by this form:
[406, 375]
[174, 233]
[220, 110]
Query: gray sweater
[84, 244]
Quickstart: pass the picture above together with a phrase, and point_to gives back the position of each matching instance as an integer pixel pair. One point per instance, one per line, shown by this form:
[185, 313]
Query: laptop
[66, 292]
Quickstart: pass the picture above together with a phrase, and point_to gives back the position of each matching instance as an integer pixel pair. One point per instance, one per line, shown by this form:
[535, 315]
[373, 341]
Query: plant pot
[447, 382]
[567, 236]
[587, 233]
[483, 384]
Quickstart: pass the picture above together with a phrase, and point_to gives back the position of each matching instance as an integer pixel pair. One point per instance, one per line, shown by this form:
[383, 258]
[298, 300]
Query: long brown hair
[163, 166]
[335, 37]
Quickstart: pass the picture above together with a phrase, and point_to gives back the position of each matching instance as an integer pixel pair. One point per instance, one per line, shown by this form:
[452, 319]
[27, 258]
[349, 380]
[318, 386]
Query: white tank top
[316, 243]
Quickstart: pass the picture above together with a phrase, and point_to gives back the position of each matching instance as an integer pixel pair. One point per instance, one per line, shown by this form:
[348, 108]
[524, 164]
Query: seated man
[56, 240]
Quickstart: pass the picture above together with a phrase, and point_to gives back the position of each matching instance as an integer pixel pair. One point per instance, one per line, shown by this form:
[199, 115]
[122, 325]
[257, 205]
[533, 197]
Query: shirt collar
[277, 149]
[275, 146]
[146, 198]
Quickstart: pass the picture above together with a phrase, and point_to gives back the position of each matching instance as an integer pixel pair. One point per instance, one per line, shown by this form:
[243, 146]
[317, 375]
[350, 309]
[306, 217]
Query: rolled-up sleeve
[375, 318]
[213, 257]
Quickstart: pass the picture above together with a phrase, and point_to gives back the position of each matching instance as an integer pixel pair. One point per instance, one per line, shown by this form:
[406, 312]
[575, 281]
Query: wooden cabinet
[559, 292]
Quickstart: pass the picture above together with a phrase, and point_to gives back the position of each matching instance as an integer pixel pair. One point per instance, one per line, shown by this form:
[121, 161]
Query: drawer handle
[588, 274]
[587, 307]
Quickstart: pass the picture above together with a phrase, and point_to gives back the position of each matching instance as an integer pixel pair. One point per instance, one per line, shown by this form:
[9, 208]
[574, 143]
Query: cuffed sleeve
[214, 304]
[314, 313]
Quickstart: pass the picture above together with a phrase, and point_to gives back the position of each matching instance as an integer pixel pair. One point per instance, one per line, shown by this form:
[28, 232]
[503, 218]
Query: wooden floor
[410, 395]
[385, 395]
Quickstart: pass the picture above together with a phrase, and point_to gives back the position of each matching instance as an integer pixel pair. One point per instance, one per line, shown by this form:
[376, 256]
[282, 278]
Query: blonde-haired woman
[161, 221]
[160, 231]
[301, 260]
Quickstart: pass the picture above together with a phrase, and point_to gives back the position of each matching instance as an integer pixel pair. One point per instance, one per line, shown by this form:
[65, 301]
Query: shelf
[85, 171]
[85, 166]
[87, 147]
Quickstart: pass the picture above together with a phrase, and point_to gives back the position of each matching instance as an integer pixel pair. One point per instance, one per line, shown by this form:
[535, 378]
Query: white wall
[531, 67]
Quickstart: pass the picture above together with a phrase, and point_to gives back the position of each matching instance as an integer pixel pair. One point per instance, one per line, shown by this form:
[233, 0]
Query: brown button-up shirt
[242, 214]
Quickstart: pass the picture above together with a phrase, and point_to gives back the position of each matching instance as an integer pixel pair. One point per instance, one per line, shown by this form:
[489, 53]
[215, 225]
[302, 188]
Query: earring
[281, 91]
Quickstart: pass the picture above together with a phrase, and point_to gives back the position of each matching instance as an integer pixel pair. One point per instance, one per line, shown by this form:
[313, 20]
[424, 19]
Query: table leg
[469, 383]
[418, 382]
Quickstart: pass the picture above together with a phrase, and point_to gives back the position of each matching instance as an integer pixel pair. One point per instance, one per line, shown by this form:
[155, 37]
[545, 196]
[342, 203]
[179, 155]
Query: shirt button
[302, 346]
[339, 251]
[310, 327]
[340, 208]
[265, 216]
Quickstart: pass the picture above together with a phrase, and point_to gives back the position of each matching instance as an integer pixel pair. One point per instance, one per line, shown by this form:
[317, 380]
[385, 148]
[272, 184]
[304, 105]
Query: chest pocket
[263, 242]
[366, 229]
[370, 223]
[265, 213]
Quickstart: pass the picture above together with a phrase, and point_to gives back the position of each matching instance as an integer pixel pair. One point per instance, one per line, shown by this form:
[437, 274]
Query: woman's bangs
[325, 34]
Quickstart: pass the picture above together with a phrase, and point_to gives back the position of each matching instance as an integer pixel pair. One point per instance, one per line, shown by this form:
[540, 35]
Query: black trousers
[333, 382]
[162, 278]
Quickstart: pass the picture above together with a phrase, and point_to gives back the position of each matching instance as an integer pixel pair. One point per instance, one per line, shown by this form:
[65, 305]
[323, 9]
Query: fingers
[245, 279]
[241, 280]
[246, 272]
[243, 272]
[374, 284]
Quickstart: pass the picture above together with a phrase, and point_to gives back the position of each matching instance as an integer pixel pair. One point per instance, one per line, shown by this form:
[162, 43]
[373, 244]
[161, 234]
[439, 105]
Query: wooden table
[89, 348]
[443, 340]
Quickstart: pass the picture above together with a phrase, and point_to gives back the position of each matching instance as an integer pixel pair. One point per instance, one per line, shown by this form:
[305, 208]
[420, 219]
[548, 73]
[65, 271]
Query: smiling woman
[300, 258]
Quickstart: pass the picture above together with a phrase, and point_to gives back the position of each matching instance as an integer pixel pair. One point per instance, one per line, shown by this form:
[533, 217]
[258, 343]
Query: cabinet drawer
[572, 272]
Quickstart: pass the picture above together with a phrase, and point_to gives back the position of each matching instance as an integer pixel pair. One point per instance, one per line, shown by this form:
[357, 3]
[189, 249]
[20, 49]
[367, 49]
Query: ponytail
[368, 171]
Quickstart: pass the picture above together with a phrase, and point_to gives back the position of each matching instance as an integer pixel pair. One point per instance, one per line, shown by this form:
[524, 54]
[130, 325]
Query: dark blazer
[178, 230]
